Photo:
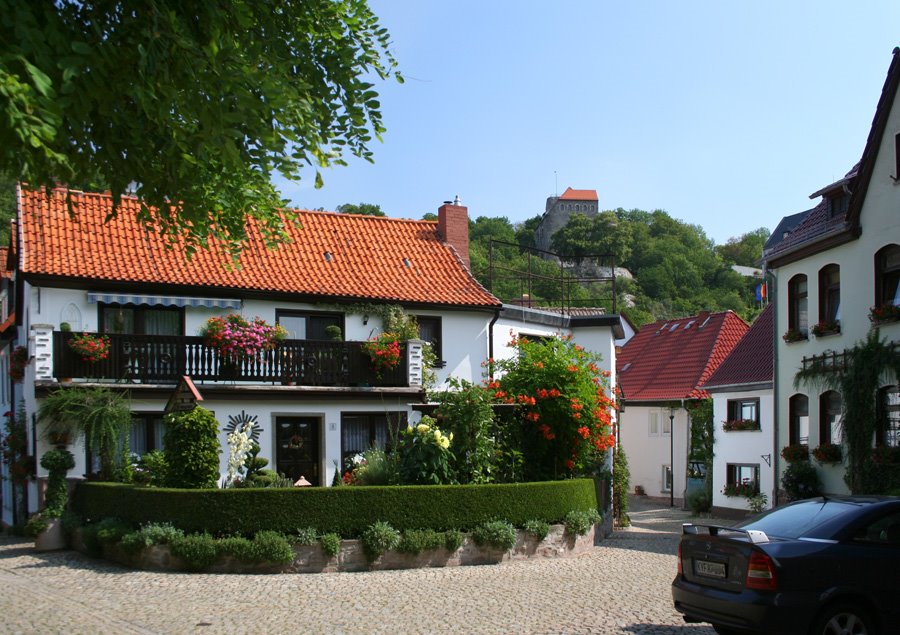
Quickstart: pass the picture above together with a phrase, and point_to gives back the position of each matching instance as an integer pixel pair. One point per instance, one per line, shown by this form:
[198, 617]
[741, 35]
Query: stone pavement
[621, 586]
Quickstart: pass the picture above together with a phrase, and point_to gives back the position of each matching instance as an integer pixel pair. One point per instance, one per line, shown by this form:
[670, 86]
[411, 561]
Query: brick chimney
[453, 228]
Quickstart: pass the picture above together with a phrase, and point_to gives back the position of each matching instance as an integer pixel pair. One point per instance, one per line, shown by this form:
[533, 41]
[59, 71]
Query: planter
[53, 538]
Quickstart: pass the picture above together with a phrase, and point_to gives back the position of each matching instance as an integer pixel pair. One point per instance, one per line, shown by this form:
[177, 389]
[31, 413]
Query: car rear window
[798, 520]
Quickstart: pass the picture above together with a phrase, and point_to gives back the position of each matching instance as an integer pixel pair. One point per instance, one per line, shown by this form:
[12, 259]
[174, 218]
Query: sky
[726, 115]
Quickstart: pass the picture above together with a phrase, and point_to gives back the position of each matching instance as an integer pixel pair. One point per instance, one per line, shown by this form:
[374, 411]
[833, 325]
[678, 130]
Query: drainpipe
[491, 341]
[776, 454]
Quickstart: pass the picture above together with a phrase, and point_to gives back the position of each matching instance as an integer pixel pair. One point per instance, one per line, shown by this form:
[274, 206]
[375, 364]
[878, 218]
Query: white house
[314, 400]
[744, 417]
[829, 267]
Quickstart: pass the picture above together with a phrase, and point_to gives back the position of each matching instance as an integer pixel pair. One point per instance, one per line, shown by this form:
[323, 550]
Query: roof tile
[751, 361]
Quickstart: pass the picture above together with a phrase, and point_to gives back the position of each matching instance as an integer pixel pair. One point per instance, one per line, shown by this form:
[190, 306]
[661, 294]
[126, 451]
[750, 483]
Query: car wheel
[843, 619]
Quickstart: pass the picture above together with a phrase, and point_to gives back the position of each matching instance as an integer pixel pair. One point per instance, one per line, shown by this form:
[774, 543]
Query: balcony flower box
[741, 489]
[795, 452]
[237, 339]
[90, 347]
[384, 352]
[740, 424]
[828, 453]
[826, 327]
[793, 335]
[884, 313]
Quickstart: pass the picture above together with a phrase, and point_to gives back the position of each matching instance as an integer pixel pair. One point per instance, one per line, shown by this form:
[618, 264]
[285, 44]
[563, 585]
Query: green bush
[36, 524]
[271, 546]
[419, 540]
[346, 511]
[57, 463]
[110, 530]
[331, 544]
[621, 487]
[425, 454]
[377, 468]
[306, 536]
[192, 449]
[699, 502]
[198, 551]
[149, 535]
[465, 411]
[453, 539]
[152, 469]
[378, 538]
[537, 528]
[238, 547]
[497, 533]
[578, 523]
[801, 480]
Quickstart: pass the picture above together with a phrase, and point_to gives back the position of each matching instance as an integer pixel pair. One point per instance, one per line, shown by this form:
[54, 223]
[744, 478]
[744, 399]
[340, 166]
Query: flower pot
[52, 538]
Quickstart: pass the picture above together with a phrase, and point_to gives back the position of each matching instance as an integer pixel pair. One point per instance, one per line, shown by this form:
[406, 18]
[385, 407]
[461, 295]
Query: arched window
[798, 412]
[887, 276]
[829, 417]
[830, 293]
[798, 315]
[887, 415]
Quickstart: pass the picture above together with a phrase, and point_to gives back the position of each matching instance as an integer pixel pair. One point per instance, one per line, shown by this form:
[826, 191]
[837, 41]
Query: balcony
[159, 359]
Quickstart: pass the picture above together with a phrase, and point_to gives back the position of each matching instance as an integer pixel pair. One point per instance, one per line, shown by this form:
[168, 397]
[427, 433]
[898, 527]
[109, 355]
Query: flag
[761, 292]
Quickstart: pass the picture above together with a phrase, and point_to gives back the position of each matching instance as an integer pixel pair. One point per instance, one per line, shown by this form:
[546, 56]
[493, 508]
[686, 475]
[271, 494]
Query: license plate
[709, 569]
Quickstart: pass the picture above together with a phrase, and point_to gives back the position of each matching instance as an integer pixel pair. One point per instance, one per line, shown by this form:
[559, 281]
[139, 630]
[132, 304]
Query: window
[147, 432]
[667, 425]
[363, 430]
[141, 320]
[838, 204]
[798, 412]
[743, 410]
[742, 474]
[667, 478]
[887, 276]
[654, 424]
[829, 417]
[430, 331]
[830, 293]
[888, 416]
[309, 325]
[798, 319]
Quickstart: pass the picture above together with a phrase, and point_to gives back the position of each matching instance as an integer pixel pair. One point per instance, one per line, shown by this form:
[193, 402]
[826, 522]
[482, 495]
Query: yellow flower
[422, 428]
[437, 436]
[445, 443]
[451, 436]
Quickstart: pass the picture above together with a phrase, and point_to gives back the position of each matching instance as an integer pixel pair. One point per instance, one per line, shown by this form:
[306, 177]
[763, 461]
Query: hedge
[343, 510]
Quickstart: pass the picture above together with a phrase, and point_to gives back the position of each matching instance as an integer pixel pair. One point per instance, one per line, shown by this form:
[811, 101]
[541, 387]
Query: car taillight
[680, 567]
[761, 572]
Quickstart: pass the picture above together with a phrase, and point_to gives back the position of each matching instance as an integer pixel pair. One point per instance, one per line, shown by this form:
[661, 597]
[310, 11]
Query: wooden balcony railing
[163, 359]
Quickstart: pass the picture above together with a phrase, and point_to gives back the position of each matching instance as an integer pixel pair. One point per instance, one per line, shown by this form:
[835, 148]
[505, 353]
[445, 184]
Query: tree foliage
[366, 209]
[198, 104]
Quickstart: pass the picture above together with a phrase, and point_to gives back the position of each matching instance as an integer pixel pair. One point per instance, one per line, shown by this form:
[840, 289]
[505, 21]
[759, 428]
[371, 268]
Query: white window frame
[666, 474]
[653, 424]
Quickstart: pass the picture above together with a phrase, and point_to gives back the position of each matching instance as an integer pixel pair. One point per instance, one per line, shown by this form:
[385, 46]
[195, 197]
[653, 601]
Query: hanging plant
[384, 352]
[795, 452]
[828, 453]
[91, 348]
[18, 360]
[237, 339]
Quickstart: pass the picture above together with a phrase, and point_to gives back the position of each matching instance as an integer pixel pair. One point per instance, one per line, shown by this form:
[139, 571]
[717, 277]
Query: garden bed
[351, 557]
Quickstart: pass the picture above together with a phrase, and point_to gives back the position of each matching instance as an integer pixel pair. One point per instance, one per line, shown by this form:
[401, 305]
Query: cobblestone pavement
[621, 586]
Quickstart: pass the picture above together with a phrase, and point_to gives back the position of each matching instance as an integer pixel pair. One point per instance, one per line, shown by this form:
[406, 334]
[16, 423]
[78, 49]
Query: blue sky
[726, 115]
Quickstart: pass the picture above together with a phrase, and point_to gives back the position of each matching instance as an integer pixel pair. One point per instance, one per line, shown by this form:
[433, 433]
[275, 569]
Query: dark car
[819, 566]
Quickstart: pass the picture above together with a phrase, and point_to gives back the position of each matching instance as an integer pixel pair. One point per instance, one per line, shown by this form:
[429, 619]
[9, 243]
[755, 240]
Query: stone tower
[558, 211]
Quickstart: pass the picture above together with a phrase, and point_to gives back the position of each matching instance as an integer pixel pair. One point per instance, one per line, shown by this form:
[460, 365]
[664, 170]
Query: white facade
[743, 449]
[644, 434]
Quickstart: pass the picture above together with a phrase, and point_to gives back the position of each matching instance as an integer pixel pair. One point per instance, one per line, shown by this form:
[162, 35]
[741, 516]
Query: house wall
[747, 447]
[880, 225]
[647, 453]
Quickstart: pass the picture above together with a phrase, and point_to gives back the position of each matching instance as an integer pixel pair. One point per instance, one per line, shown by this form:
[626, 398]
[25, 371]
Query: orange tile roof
[671, 359]
[335, 256]
[4, 256]
[579, 195]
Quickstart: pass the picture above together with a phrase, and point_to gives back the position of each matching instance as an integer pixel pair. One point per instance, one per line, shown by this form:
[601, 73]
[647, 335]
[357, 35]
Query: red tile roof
[579, 195]
[335, 256]
[4, 256]
[751, 361]
[671, 359]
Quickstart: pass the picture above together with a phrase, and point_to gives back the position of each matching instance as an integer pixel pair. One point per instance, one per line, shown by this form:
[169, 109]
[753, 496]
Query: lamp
[365, 319]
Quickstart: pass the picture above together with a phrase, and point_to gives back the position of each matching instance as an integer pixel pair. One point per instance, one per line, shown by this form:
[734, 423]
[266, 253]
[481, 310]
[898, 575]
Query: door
[297, 448]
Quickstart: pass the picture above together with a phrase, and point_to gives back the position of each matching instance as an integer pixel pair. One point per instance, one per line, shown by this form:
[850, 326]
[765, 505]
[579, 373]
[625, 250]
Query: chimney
[453, 228]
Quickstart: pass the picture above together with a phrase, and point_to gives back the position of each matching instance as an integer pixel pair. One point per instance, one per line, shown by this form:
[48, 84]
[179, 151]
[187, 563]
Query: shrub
[757, 503]
[149, 535]
[152, 469]
[496, 533]
[306, 536]
[419, 540]
[36, 524]
[801, 480]
[578, 523]
[111, 530]
[453, 539]
[57, 463]
[192, 449]
[198, 551]
[465, 411]
[425, 454]
[621, 479]
[376, 468]
[271, 546]
[331, 543]
[70, 521]
[537, 528]
[378, 538]
[238, 547]
[700, 502]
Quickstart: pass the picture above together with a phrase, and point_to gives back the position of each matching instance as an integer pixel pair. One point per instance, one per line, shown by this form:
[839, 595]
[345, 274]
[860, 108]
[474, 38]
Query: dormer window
[838, 204]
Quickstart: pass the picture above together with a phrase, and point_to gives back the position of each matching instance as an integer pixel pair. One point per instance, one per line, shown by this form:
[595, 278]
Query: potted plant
[826, 327]
[888, 312]
[18, 360]
[237, 339]
[740, 424]
[745, 489]
[828, 453]
[383, 351]
[333, 331]
[793, 335]
[90, 347]
[46, 525]
[795, 452]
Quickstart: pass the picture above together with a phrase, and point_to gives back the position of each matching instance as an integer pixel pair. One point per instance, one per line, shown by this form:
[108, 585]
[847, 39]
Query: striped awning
[163, 300]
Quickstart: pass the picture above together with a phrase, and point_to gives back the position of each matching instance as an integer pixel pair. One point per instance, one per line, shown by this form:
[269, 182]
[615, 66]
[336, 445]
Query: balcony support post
[41, 347]
[415, 363]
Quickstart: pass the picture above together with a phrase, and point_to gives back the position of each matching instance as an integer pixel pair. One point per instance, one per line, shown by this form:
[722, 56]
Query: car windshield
[798, 520]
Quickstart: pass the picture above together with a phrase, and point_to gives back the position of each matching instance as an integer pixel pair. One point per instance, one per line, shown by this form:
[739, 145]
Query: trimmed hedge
[347, 511]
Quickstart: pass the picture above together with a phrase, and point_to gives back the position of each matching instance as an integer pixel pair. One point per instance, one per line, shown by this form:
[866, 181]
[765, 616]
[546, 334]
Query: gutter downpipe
[491, 340]
[775, 389]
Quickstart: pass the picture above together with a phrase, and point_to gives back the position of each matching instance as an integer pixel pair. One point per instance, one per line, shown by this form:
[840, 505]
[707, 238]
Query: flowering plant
[18, 360]
[795, 452]
[746, 489]
[240, 445]
[793, 335]
[14, 448]
[884, 312]
[828, 453]
[91, 348]
[237, 339]
[826, 327]
[384, 351]
[425, 454]
[740, 424]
